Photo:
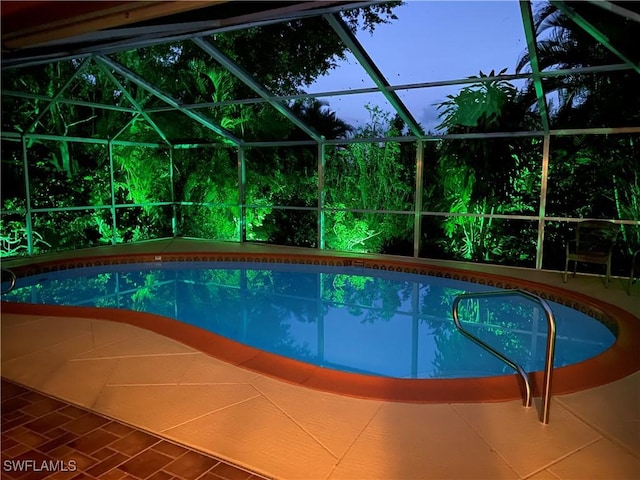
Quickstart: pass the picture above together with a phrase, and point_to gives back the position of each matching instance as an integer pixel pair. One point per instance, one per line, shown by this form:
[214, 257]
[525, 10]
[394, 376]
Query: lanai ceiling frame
[141, 112]
[370, 67]
[366, 62]
[191, 30]
[409, 86]
[57, 98]
[247, 79]
[617, 9]
[165, 97]
[594, 32]
[80, 103]
[384, 87]
[527, 23]
[57, 95]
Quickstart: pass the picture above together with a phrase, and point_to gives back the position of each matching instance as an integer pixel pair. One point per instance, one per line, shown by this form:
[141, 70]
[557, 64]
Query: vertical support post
[176, 308]
[535, 329]
[543, 201]
[174, 221]
[415, 323]
[27, 191]
[244, 288]
[320, 320]
[117, 289]
[417, 224]
[242, 180]
[321, 167]
[114, 231]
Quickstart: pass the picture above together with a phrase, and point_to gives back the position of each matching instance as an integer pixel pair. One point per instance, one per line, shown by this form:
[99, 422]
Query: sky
[430, 41]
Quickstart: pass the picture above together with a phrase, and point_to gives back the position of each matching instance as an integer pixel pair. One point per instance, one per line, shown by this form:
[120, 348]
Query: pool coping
[615, 363]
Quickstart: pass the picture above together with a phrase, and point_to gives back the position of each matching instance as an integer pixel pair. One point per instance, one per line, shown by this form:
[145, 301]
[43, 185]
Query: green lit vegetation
[143, 169]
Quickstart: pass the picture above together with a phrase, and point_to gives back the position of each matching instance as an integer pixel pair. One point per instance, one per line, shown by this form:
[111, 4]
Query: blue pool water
[344, 318]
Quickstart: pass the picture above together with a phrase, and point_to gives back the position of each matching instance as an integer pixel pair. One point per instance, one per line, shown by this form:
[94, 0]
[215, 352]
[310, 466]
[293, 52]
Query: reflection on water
[379, 323]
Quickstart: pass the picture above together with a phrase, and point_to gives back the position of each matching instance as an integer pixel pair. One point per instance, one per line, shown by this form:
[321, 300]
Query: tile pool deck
[282, 430]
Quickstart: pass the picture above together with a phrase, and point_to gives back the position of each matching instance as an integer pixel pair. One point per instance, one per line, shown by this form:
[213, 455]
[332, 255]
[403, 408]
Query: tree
[317, 114]
[606, 168]
[603, 99]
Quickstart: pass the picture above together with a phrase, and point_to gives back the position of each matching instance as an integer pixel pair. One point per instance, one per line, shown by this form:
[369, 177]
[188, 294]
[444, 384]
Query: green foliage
[147, 293]
[476, 179]
[286, 177]
[68, 174]
[69, 230]
[65, 174]
[349, 234]
[142, 174]
[13, 239]
[479, 104]
[593, 177]
[370, 176]
[143, 223]
[589, 175]
[317, 114]
[206, 188]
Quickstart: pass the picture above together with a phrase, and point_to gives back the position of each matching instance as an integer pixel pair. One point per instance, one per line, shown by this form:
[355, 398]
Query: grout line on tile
[44, 349]
[484, 440]
[209, 413]
[33, 319]
[553, 475]
[348, 449]
[159, 436]
[566, 455]
[142, 384]
[104, 385]
[94, 348]
[317, 440]
[211, 383]
[255, 377]
[598, 429]
[134, 356]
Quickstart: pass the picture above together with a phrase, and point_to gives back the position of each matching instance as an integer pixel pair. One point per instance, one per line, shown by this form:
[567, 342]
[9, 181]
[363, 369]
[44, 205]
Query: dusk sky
[431, 40]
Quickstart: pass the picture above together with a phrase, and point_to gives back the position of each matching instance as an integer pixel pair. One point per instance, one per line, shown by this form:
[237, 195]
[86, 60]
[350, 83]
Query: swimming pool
[345, 318]
[617, 362]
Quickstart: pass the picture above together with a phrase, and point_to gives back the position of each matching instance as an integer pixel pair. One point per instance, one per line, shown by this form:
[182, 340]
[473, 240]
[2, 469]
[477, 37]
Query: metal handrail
[12, 282]
[550, 352]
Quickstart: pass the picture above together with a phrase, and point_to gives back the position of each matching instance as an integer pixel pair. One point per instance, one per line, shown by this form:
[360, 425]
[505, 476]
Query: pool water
[344, 318]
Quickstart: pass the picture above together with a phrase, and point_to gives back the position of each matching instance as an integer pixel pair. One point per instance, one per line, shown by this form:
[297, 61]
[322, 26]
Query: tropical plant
[479, 104]
[603, 98]
[317, 114]
[476, 179]
[14, 241]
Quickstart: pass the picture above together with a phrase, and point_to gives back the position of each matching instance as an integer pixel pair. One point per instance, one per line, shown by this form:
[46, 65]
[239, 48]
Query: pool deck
[281, 430]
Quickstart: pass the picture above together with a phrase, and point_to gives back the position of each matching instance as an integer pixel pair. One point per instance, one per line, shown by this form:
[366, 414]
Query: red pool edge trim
[617, 362]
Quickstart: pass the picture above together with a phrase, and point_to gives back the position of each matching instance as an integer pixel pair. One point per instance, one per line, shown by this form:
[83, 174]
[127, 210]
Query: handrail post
[548, 363]
[550, 350]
